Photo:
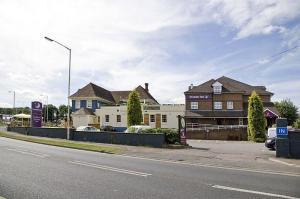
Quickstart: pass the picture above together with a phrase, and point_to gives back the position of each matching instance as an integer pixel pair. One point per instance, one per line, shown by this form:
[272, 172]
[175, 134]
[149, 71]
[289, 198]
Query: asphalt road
[29, 170]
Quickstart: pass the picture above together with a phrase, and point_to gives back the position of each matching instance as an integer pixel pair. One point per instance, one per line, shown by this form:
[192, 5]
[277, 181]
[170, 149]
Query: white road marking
[29, 153]
[217, 166]
[285, 163]
[110, 168]
[253, 192]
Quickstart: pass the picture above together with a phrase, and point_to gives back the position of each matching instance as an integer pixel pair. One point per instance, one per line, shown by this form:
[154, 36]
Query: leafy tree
[297, 124]
[134, 109]
[287, 110]
[62, 111]
[256, 119]
[51, 110]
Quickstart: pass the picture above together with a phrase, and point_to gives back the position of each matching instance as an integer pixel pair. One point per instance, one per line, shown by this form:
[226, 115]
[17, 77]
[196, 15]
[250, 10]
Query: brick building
[224, 101]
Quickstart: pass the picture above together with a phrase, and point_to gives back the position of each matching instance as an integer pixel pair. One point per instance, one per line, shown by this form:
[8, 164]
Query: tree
[256, 119]
[62, 111]
[51, 110]
[134, 110]
[287, 110]
[297, 124]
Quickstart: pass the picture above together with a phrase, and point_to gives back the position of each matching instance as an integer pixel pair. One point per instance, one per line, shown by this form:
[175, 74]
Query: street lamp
[14, 103]
[46, 110]
[69, 80]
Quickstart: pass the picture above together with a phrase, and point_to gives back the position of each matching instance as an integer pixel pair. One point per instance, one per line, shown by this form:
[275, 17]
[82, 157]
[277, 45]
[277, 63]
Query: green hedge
[171, 135]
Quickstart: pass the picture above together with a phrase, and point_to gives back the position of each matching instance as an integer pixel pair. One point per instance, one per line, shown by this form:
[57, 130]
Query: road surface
[30, 170]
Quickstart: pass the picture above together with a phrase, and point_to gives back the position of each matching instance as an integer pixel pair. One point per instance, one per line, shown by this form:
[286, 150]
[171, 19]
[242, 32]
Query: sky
[170, 44]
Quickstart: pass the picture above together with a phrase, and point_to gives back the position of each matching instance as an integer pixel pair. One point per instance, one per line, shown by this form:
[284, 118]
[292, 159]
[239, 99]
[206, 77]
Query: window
[217, 105]
[164, 118]
[240, 121]
[229, 104]
[99, 119]
[106, 118]
[217, 89]
[89, 103]
[77, 104]
[194, 105]
[152, 118]
[118, 118]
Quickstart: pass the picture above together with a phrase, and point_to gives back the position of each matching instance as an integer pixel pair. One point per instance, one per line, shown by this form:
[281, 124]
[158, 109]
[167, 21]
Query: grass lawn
[63, 143]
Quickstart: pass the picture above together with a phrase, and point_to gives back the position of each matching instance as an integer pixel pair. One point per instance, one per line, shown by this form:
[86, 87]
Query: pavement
[30, 170]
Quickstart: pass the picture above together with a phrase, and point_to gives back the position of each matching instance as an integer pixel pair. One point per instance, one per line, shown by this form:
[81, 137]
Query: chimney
[147, 87]
[191, 87]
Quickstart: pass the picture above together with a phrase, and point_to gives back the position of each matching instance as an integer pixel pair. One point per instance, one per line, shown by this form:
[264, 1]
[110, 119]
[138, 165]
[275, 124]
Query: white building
[94, 105]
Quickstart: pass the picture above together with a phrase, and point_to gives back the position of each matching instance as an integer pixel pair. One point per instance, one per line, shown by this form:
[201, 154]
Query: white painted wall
[171, 110]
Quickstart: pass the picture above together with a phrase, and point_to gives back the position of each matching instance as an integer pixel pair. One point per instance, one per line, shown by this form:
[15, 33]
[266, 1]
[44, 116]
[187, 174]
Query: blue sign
[282, 131]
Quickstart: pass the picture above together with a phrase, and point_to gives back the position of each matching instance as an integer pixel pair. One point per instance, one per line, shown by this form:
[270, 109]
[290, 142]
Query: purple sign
[36, 114]
[269, 114]
[191, 97]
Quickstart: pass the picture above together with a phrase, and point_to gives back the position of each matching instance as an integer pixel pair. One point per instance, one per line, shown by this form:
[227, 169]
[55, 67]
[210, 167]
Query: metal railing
[197, 126]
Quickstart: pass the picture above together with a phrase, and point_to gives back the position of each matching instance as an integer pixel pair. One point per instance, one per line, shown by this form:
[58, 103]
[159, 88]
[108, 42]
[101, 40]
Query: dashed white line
[216, 166]
[253, 192]
[29, 153]
[110, 168]
[285, 163]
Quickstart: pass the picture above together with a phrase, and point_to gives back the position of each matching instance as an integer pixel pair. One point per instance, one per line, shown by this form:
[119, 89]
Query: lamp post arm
[62, 45]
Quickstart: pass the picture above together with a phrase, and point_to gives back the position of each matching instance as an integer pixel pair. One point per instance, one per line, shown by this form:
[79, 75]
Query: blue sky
[169, 44]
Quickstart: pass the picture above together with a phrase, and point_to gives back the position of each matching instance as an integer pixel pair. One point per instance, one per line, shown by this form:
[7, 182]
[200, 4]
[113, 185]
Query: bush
[297, 124]
[171, 135]
[256, 119]
[134, 109]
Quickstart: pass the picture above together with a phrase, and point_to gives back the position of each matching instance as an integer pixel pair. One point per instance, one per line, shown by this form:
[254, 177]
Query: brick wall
[221, 134]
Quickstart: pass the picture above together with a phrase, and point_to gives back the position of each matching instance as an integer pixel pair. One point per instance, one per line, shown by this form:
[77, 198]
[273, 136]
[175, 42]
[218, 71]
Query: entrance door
[158, 121]
[146, 119]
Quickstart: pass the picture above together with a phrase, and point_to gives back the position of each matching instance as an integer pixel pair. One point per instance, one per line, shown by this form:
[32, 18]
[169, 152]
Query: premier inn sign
[193, 97]
[36, 114]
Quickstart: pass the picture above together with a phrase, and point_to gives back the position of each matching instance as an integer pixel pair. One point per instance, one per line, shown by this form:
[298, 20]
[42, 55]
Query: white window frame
[89, 103]
[120, 118]
[152, 121]
[77, 104]
[106, 118]
[217, 89]
[241, 121]
[218, 105]
[164, 120]
[229, 105]
[194, 105]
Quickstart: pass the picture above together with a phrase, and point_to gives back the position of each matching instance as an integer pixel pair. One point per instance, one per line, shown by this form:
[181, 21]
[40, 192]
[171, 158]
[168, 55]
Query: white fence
[197, 126]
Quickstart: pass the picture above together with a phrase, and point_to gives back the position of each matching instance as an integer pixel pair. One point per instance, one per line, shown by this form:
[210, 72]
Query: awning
[22, 115]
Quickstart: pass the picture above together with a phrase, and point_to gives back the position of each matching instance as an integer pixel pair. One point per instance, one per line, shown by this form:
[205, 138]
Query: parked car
[136, 128]
[271, 139]
[87, 129]
[107, 128]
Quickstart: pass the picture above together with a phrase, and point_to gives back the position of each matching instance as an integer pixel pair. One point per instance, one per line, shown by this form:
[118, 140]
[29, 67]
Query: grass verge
[62, 143]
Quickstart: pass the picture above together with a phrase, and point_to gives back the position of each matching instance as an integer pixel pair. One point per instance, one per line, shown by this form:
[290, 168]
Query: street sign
[282, 131]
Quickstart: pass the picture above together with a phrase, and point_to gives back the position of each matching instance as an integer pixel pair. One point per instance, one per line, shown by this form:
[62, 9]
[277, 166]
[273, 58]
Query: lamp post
[14, 103]
[46, 110]
[69, 81]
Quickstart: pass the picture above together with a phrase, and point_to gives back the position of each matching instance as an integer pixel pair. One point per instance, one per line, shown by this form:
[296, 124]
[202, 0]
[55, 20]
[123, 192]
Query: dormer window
[217, 87]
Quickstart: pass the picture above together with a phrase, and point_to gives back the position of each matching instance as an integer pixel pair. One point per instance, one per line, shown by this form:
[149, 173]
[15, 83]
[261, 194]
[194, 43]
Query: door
[146, 119]
[158, 121]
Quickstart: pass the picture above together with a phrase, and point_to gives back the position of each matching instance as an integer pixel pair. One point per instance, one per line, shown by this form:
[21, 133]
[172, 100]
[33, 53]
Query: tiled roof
[92, 90]
[123, 95]
[83, 111]
[229, 85]
[223, 114]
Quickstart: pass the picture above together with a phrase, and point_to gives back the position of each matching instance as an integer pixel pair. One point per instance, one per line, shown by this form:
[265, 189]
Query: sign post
[36, 114]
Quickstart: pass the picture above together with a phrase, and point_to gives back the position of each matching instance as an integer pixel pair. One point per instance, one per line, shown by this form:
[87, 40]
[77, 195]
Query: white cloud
[112, 45]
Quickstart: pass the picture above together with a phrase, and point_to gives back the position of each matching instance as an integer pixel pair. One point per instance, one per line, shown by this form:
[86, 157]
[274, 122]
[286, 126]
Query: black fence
[288, 147]
[134, 139]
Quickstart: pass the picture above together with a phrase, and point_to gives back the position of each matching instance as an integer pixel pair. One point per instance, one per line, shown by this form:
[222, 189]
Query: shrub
[297, 124]
[256, 119]
[171, 135]
[134, 109]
